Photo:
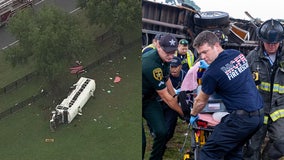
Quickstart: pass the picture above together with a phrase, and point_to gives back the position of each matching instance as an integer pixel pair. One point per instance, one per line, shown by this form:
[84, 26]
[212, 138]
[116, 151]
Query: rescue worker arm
[171, 101]
[170, 87]
[199, 103]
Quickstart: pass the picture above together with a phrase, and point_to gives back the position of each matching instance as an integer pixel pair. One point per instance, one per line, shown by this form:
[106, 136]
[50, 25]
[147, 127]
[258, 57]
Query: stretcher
[200, 133]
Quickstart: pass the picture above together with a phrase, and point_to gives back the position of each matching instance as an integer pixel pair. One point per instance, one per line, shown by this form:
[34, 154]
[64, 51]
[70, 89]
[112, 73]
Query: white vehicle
[9, 7]
[71, 106]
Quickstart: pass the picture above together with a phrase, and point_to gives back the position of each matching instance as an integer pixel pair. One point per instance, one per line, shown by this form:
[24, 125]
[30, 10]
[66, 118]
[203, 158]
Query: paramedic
[229, 76]
[267, 64]
[176, 76]
[156, 82]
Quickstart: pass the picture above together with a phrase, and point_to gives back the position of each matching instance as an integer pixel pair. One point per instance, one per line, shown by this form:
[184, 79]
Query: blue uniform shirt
[230, 77]
[176, 81]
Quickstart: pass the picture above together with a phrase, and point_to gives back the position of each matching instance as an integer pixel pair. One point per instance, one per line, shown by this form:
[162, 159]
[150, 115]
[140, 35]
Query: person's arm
[170, 100]
[170, 87]
[199, 103]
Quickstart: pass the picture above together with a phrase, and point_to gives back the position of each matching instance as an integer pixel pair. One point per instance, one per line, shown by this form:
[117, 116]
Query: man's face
[175, 70]
[271, 48]
[165, 56]
[208, 53]
[182, 49]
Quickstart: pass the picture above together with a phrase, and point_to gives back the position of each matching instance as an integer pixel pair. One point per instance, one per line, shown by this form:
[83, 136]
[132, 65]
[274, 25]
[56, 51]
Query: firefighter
[267, 65]
[186, 56]
[228, 76]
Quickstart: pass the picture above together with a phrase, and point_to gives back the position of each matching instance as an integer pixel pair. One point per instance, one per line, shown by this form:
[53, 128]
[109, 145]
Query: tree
[118, 15]
[50, 38]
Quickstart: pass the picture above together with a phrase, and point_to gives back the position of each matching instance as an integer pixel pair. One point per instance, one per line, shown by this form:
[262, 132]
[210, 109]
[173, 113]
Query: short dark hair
[205, 37]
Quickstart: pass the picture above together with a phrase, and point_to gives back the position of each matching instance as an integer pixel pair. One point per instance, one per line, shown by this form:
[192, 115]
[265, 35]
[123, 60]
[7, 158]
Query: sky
[258, 9]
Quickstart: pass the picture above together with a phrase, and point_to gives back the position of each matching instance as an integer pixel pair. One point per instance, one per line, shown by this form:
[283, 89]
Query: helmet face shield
[271, 31]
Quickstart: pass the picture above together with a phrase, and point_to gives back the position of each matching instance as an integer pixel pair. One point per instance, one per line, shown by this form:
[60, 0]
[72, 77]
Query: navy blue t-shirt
[230, 77]
[176, 81]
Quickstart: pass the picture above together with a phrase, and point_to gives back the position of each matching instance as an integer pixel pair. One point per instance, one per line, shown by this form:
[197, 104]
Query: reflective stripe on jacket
[189, 58]
[271, 87]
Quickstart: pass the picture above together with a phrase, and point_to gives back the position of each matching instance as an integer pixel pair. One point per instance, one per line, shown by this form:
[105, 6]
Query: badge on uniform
[255, 76]
[158, 74]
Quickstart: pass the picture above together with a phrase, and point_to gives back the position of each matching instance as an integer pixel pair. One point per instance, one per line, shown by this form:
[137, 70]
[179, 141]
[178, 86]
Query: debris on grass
[48, 140]
[117, 79]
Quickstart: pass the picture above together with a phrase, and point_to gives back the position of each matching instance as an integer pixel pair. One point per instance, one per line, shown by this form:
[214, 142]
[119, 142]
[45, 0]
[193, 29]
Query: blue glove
[193, 119]
[177, 91]
[203, 64]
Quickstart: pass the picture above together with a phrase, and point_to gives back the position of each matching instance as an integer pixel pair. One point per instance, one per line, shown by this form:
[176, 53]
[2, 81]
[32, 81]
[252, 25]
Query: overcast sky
[258, 9]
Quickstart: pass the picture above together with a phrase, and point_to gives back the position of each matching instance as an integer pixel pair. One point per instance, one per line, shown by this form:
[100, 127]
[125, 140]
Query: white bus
[71, 106]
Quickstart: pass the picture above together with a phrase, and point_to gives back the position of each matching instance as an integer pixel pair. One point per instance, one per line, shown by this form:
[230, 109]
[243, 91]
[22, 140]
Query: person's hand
[203, 64]
[193, 119]
[177, 91]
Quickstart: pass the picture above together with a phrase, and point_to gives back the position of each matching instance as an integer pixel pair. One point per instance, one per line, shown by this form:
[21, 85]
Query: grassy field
[176, 147]
[108, 129]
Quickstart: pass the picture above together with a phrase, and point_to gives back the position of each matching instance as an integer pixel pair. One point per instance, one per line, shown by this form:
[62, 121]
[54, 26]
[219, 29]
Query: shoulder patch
[158, 74]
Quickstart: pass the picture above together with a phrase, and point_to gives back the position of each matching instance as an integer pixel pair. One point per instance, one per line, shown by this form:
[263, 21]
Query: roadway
[7, 39]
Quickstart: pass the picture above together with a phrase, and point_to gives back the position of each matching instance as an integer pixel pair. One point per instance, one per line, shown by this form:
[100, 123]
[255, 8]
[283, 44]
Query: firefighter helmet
[271, 31]
[222, 37]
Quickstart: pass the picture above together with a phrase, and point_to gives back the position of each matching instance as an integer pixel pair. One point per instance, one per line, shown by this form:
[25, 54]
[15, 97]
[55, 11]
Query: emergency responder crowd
[251, 87]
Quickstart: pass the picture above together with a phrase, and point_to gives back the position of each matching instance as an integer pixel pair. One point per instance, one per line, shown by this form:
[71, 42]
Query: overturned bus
[184, 19]
[71, 106]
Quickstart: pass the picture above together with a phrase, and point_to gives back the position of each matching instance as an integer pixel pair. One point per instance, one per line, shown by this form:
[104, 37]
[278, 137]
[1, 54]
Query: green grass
[108, 129]
[9, 73]
[21, 93]
[175, 149]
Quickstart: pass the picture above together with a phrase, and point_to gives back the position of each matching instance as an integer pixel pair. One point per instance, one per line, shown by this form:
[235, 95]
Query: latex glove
[177, 91]
[193, 119]
[203, 64]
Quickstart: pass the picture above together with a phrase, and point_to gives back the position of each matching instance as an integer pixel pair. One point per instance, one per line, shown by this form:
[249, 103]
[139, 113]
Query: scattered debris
[48, 140]
[117, 79]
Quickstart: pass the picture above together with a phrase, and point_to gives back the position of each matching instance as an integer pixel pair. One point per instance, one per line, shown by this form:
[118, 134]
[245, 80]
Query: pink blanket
[189, 82]
[207, 117]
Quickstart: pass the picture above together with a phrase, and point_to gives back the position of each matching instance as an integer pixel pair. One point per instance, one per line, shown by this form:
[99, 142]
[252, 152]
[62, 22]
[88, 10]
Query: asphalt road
[7, 39]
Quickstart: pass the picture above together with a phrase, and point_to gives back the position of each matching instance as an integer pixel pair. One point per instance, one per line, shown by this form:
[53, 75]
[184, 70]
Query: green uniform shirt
[155, 73]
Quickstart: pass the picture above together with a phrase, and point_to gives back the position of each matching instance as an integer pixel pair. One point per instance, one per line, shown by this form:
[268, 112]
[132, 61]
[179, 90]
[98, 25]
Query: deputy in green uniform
[156, 82]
